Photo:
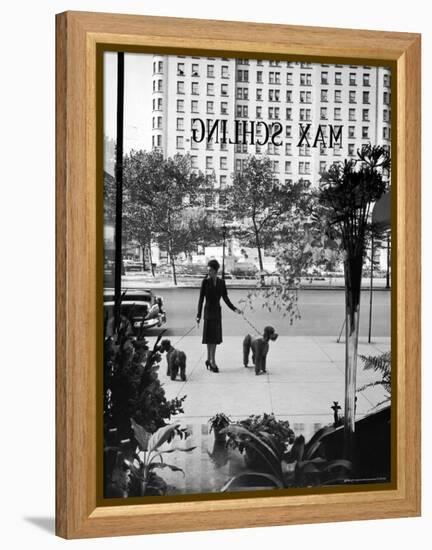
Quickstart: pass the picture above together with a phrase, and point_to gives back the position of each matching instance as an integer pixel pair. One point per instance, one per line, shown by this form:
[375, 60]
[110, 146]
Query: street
[322, 313]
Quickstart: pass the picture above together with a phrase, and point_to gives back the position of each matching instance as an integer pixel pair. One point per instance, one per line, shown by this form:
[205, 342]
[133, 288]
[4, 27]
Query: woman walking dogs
[213, 289]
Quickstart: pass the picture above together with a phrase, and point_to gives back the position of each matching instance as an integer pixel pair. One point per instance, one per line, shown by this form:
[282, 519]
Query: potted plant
[217, 423]
[266, 428]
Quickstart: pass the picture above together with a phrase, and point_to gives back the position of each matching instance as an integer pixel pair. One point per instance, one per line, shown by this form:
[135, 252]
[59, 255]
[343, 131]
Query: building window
[305, 79]
[180, 87]
[259, 76]
[222, 181]
[304, 167]
[324, 77]
[304, 151]
[209, 145]
[351, 115]
[209, 163]
[288, 167]
[210, 71]
[210, 88]
[323, 150]
[242, 76]
[257, 149]
[288, 113]
[289, 79]
[180, 124]
[274, 77]
[224, 108]
[305, 97]
[323, 113]
[194, 161]
[365, 115]
[386, 117]
[223, 146]
[366, 97]
[259, 94]
[238, 165]
[352, 79]
[274, 95]
[224, 89]
[194, 106]
[366, 79]
[195, 69]
[386, 132]
[386, 98]
[180, 142]
[180, 105]
[289, 96]
[242, 111]
[365, 132]
[223, 164]
[288, 131]
[259, 112]
[288, 149]
[351, 149]
[351, 132]
[275, 166]
[180, 69]
[338, 79]
[210, 107]
[224, 71]
[305, 114]
[322, 166]
[352, 96]
[338, 96]
[338, 113]
[194, 88]
[386, 79]
[324, 96]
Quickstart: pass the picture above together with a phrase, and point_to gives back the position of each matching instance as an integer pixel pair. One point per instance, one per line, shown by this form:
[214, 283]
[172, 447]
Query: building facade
[293, 94]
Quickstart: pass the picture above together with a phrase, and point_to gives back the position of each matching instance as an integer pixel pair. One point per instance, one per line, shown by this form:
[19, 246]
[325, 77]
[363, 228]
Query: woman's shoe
[208, 365]
[214, 368]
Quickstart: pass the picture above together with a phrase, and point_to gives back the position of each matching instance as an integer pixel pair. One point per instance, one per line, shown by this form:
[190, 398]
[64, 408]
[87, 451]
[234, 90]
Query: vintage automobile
[141, 308]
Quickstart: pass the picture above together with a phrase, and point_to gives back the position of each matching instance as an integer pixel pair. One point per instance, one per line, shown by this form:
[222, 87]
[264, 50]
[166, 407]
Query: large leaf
[182, 450]
[162, 465]
[315, 441]
[277, 482]
[161, 436]
[141, 435]
[339, 464]
[259, 446]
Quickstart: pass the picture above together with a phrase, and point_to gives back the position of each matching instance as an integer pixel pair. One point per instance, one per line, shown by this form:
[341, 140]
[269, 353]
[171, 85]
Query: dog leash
[249, 323]
[184, 336]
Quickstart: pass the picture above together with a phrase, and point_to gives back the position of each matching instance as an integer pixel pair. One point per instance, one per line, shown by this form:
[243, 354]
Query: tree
[138, 226]
[346, 194]
[259, 199]
[168, 188]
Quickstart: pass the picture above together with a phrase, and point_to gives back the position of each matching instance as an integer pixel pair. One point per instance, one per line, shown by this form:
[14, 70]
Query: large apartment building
[292, 94]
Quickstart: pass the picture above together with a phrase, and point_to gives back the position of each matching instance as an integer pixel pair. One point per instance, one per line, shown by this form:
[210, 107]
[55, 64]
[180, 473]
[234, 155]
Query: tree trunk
[143, 248]
[151, 259]
[258, 244]
[173, 267]
[353, 274]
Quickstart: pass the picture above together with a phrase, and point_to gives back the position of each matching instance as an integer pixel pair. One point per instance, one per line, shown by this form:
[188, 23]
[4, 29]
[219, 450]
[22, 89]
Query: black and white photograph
[247, 281]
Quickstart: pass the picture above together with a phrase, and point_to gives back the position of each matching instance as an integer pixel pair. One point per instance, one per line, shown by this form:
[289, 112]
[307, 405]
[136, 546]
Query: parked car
[142, 308]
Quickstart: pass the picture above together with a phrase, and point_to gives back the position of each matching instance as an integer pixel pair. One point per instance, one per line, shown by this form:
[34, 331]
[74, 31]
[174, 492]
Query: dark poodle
[176, 360]
[259, 347]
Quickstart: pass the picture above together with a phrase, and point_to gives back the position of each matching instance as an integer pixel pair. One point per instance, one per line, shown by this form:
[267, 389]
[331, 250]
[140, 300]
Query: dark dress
[212, 330]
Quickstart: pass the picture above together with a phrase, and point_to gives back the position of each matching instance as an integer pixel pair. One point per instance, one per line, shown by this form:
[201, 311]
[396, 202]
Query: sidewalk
[140, 280]
[305, 375]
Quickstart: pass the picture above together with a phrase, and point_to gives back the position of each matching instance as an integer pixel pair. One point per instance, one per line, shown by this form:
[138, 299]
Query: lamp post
[223, 250]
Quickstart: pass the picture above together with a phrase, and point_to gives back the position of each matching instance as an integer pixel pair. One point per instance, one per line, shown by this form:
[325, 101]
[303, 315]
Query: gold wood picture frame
[82, 39]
